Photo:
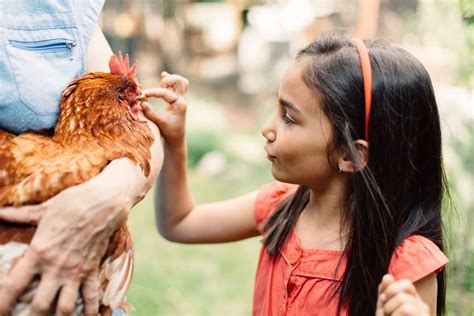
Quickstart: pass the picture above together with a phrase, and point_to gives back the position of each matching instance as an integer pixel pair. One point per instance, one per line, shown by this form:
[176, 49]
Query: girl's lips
[270, 157]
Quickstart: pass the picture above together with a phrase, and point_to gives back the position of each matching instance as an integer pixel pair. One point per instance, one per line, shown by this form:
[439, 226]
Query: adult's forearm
[122, 184]
[173, 199]
[145, 183]
[114, 191]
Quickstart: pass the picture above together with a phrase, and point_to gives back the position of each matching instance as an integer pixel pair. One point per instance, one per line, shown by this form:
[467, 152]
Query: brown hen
[97, 124]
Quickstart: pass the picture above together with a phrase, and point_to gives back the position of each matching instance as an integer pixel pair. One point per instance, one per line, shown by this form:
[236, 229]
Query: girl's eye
[287, 120]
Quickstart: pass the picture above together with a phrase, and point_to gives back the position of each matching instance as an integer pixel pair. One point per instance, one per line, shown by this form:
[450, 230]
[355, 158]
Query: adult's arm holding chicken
[75, 226]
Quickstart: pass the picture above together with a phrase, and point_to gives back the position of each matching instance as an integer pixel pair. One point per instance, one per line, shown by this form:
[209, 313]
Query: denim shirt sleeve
[42, 48]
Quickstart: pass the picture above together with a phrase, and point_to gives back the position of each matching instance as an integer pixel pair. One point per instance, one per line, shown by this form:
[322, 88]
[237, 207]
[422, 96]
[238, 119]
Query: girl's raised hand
[399, 298]
[178, 84]
[172, 120]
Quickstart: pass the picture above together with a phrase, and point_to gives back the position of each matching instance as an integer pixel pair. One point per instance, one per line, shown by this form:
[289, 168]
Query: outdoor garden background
[234, 53]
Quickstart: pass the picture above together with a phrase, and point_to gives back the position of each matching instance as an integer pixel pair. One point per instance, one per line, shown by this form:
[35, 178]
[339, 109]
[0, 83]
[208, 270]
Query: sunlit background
[235, 52]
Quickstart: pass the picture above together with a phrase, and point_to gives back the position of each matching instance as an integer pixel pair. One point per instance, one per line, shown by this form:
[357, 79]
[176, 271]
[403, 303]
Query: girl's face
[298, 133]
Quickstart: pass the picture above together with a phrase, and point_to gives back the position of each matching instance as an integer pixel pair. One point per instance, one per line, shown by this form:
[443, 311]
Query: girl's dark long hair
[400, 191]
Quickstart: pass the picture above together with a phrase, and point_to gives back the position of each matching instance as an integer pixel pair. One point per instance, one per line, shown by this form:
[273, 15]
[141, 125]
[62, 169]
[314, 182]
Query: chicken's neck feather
[89, 108]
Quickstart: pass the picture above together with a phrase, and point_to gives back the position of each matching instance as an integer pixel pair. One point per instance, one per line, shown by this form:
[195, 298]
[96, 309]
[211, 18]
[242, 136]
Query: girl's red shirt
[301, 281]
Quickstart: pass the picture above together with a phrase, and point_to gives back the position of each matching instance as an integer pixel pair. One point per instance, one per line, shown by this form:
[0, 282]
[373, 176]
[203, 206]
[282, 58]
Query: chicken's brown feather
[7, 172]
[92, 130]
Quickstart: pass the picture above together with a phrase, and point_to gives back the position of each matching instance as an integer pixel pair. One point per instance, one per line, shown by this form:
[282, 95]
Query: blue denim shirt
[42, 48]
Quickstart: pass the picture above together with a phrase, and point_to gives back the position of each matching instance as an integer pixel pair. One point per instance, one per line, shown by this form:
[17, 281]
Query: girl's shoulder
[415, 258]
[268, 198]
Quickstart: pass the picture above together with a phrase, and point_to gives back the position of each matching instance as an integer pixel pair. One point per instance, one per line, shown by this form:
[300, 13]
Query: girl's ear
[362, 156]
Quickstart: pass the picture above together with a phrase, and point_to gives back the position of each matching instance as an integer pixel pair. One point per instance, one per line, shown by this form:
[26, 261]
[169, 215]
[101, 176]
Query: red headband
[367, 78]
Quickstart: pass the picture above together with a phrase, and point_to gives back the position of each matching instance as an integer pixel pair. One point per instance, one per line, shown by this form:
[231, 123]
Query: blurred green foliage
[460, 218]
[466, 65]
[201, 142]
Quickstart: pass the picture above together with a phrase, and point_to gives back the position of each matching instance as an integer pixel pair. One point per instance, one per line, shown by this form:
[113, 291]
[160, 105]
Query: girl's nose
[268, 133]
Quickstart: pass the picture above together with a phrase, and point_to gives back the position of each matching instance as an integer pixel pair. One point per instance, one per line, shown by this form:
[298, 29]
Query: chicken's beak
[141, 98]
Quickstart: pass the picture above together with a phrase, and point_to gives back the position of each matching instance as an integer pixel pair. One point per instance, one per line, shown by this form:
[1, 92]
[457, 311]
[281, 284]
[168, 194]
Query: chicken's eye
[128, 92]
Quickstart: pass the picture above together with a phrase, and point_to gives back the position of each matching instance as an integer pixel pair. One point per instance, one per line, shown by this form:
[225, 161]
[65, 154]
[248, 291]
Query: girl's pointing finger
[165, 94]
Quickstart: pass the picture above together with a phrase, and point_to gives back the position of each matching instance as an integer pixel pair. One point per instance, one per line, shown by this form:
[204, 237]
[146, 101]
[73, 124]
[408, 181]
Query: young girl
[355, 147]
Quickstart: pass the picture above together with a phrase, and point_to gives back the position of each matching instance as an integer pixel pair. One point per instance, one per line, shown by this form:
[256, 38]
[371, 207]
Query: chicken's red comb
[119, 66]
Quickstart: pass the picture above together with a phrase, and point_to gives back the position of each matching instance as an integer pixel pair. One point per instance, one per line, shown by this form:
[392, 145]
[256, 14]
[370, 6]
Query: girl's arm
[403, 297]
[75, 225]
[178, 217]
